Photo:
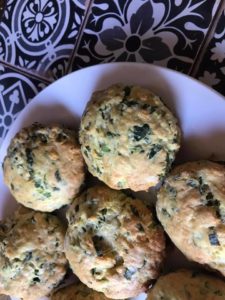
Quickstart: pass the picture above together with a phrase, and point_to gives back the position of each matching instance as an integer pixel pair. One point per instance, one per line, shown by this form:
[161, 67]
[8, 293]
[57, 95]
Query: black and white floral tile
[41, 40]
[39, 35]
[164, 32]
[212, 68]
[16, 90]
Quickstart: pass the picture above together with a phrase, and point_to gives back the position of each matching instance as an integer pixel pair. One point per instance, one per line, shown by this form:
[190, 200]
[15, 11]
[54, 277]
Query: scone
[186, 285]
[32, 259]
[77, 291]
[44, 168]
[191, 208]
[113, 243]
[128, 137]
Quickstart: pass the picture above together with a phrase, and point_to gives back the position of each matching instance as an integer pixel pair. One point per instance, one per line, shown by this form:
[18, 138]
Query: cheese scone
[77, 291]
[191, 208]
[186, 285]
[32, 259]
[44, 168]
[113, 243]
[128, 137]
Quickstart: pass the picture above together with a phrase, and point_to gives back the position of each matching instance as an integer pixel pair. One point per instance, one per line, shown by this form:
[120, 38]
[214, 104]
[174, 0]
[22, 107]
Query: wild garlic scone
[77, 291]
[128, 137]
[32, 259]
[186, 285]
[191, 208]
[44, 167]
[112, 242]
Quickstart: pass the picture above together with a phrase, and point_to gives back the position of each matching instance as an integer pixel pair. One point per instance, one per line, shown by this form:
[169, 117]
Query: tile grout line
[29, 73]
[25, 72]
[79, 36]
[37, 76]
[202, 49]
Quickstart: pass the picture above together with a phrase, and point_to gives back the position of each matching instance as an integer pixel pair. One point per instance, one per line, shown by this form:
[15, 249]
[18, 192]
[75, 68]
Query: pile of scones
[113, 242]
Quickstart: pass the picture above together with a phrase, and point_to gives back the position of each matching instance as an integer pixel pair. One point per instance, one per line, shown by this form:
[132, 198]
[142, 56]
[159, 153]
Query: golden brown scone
[44, 168]
[191, 208]
[32, 259]
[128, 137]
[77, 291]
[186, 285]
[112, 243]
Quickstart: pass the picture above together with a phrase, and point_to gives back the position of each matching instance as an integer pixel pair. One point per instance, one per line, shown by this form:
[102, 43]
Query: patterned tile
[164, 32]
[212, 68]
[39, 35]
[16, 90]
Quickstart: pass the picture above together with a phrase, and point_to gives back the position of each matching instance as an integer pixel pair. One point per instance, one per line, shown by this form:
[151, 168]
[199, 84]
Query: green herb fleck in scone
[128, 137]
[32, 259]
[112, 243]
[44, 167]
[77, 291]
[185, 285]
[191, 208]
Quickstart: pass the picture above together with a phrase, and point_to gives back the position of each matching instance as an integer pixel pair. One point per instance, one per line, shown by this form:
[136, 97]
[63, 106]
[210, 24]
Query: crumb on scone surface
[186, 285]
[113, 243]
[128, 137]
[77, 291]
[191, 208]
[32, 259]
[44, 168]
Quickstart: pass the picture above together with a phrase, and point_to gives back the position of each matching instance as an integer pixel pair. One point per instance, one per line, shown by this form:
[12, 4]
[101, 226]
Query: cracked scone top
[113, 243]
[191, 208]
[185, 285]
[128, 137]
[77, 291]
[44, 167]
[32, 259]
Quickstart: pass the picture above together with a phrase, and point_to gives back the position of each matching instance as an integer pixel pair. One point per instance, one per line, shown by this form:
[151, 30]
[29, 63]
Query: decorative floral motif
[164, 32]
[76, 25]
[56, 65]
[218, 51]
[211, 69]
[209, 78]
[16, 91]
[31, 31]
[60, 69]
[39, 19]
[7, 50]
[134, 42]
[8, 8]
[26, 63]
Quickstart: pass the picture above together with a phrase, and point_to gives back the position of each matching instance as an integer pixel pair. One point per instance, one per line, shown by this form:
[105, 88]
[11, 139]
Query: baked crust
[191, 208]
[77, 291]
[128, 137]
[44, 168]
[185, 285]
[113, 243]
[32, 259]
